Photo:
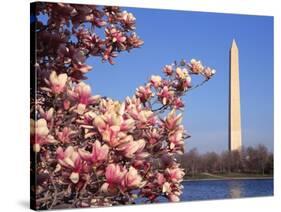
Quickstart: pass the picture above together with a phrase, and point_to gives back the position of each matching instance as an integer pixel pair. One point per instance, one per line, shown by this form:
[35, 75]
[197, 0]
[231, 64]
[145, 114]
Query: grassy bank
[226, 176]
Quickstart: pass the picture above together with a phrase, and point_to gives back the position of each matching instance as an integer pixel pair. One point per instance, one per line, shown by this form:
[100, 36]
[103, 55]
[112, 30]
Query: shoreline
[231, 178]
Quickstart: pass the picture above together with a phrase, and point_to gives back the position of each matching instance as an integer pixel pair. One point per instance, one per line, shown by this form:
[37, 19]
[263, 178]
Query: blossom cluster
[92, 150]
[69, 36]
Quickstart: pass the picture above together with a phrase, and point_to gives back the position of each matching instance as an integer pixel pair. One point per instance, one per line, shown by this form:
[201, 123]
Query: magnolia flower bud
[74, 177]
[104, 188]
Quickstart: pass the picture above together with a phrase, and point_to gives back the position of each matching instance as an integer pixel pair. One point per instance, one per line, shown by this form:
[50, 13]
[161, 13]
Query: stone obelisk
[235, 138]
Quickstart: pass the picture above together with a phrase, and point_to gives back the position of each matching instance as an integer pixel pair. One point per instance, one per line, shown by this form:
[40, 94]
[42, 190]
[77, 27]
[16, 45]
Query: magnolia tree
[90, 150]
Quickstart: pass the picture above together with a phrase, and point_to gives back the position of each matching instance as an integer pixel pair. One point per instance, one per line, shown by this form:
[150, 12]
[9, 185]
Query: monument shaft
[235, 140]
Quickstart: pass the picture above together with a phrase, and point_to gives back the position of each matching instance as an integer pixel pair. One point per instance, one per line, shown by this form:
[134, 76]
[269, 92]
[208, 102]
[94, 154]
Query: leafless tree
[250, 160]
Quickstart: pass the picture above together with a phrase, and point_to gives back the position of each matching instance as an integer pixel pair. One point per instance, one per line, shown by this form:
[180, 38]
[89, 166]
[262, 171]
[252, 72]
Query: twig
[47, 197]
[198, 85]
[55, 194]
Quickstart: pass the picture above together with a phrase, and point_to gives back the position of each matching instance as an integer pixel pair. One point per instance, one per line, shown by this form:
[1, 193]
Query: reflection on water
[235, 189]
[222, 189]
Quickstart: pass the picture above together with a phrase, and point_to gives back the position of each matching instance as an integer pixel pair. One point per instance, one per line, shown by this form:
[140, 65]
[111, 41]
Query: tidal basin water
[221, 189]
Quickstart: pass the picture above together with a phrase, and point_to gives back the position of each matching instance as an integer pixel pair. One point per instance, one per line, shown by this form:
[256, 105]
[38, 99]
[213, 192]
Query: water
[221, 189]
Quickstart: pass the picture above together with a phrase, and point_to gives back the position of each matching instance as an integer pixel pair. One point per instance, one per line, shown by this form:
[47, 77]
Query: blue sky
[172, 35]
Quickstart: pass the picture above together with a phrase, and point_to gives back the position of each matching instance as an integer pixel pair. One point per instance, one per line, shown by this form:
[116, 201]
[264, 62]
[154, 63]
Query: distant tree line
[250, 160]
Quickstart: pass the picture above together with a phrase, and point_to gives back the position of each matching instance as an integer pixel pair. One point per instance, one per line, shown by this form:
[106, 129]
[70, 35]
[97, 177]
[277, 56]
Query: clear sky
[174, 35]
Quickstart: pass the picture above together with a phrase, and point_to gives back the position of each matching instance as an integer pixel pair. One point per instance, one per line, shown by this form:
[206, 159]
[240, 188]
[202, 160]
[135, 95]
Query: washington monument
[234, 131]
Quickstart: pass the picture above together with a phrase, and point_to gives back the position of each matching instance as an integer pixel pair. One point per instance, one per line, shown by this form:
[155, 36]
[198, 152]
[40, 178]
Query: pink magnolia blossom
[128, 19]
[127, 125]
[166, 95]
[39, 127]
[114, 174]
[153, 136]
[185, 84]
[87, 119]
[88, 39]
[99, 153]
[70, 159]
[146, 117]
[100, 123]
[112, 126]
[109, 54]
[182, 73]
[175, 174]
[134, 41]
[82, 94]
[126, 16]
[196, 67]
[184, 79]
[64, 136]
[177, 103]
[132, 179]
[208, 72]
[156, 81]
[47, 115]
[168, 70]
[113, 116]
[173, 120]
[115, 36]
[57, 82]
[160, 179]
[130, 147]
[39, 133]
[133, 107]
[144, 93]
[176, 137]
[112, 135]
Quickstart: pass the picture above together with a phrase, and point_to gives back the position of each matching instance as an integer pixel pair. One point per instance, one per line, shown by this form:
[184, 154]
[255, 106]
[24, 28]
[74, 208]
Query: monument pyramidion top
[234, 45]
